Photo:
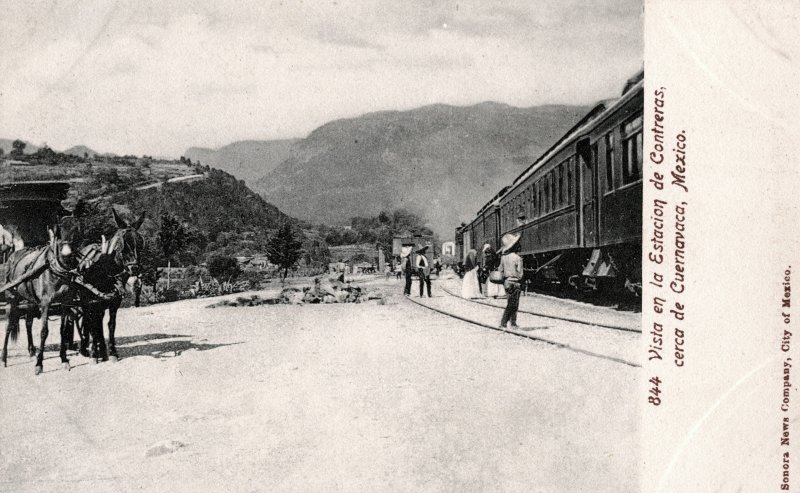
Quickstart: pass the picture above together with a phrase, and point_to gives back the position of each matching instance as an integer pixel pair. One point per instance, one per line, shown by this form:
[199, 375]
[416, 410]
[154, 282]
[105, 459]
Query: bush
[223, 268]
[170, 294]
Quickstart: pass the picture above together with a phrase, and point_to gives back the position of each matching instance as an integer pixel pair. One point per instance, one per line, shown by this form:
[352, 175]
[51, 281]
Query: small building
[449, 248]
[352, 255]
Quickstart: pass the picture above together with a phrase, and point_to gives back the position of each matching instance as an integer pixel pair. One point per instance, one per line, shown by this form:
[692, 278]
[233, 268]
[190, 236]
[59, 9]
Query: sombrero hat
[509, 240]
[422, 249]
[405, 251]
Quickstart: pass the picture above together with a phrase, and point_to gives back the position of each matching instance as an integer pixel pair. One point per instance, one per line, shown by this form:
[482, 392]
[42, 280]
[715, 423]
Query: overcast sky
[156, 77]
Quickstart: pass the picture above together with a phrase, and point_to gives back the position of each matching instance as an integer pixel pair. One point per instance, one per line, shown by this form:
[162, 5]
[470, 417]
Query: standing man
[405, 262]
[511, 268]
[423, 271]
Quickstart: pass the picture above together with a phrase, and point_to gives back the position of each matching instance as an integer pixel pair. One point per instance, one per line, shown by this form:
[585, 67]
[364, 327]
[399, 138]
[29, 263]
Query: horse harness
[56, 268]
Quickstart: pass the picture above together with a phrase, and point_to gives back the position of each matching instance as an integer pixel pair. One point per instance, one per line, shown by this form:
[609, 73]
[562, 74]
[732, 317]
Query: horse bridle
[117, 245]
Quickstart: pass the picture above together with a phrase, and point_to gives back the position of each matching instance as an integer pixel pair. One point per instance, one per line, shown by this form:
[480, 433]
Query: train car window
[540, 184]
[524, 209]
[540, 197]
[546, 195]
[553, 197]
[588, 178]
[528, 204]
[609, 161]
[632, 151]
[595, 157]
[569, 181]
[561, 184]
[532, 202]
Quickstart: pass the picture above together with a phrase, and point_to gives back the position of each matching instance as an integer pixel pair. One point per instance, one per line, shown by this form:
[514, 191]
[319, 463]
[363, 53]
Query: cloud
[158, 77]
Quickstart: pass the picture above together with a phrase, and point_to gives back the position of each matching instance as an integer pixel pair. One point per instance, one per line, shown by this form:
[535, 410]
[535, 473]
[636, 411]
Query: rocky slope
[442, 161]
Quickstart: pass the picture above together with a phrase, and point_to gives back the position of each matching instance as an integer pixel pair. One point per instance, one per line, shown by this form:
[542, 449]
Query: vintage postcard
[399, 246]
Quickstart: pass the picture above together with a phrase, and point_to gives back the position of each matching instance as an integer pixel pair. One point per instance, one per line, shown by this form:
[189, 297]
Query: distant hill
[442, 161]
[248, 160]
[81, 151]
[5, 144]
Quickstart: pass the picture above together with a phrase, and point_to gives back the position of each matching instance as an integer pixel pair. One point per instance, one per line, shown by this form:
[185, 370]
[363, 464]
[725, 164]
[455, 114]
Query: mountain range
[247, 160]
[78, 150]
[443, 162]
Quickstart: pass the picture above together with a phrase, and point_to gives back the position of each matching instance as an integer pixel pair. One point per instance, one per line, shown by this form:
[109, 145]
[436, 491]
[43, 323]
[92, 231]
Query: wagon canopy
[27, 209]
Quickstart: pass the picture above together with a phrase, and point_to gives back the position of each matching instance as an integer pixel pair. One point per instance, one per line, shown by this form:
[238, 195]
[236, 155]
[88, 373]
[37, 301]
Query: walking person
[491, 262]
[405, 262]
[470, 287]
[511, 269]
[423, 271]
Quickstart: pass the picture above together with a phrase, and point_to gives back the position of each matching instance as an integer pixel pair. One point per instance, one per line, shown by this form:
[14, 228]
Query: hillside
[443, 161]
[198, 204]
[81, 150]
[219, 213]
[248, 160]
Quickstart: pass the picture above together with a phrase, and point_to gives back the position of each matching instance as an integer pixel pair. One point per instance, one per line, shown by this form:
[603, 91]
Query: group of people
[420, 265]
[476, 274]
[496, 274]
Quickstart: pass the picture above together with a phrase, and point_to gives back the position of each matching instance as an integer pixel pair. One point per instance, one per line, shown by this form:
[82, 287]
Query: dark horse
[107, 266]
[46, 275]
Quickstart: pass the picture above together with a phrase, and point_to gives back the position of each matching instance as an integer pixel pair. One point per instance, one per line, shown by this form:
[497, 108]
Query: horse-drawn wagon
[51, 279]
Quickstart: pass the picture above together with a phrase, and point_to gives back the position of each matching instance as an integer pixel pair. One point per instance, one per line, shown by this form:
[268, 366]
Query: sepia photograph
[322, 246]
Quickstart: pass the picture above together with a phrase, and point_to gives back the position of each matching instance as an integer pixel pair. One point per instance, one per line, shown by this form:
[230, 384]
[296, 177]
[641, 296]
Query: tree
[17, 148]
[223, 267]
[150, 258]
[283, 249]
[172, 237]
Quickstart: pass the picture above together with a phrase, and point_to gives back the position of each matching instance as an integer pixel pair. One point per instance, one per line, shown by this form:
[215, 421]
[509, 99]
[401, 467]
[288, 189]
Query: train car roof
[595, 115]
[494, 199]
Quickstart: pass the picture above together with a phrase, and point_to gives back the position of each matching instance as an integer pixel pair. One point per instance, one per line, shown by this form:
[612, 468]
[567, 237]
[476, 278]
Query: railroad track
[545, 315]
[561, 339]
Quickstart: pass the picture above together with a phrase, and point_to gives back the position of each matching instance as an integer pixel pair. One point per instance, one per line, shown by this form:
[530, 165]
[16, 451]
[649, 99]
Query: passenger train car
[578, 207]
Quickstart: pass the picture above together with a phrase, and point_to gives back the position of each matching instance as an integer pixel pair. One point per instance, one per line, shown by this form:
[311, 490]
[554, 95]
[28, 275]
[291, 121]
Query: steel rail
[527, 336]
[556, 317]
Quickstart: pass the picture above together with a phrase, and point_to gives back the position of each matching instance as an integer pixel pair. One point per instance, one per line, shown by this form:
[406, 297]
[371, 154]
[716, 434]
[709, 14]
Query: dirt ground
[357, 397]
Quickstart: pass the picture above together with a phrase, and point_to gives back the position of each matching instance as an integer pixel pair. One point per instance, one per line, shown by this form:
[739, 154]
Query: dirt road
[363, 397]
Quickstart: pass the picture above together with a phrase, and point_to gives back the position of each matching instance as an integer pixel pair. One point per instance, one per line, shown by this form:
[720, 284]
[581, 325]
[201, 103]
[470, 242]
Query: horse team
[79, 286]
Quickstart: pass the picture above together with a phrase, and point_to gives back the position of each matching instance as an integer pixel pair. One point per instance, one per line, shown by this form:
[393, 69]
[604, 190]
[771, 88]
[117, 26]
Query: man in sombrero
[511, 268]
[423, 271]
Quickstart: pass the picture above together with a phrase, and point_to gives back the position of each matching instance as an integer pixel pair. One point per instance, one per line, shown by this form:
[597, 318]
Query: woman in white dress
[470, 287]
[491, 261]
